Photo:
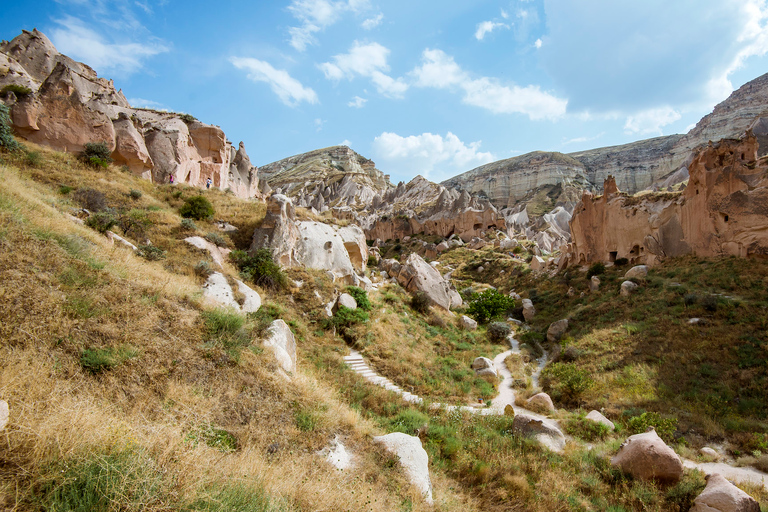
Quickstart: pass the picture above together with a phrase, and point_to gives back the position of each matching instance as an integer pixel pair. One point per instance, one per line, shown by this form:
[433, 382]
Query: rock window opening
[612, 256]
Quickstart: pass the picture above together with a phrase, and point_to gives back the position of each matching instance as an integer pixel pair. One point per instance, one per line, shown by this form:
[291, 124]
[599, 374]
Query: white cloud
[315, 16]
[346, 142]
[504, 14]
[538, 43]
[431, 155]
[374, 22]
[486, 27]
[367, 60]
[651, 121]
[319, 124]
[582, 140]
[142, 103]
[357, 102]
[76, 40]
[288, 89]
[439, 70]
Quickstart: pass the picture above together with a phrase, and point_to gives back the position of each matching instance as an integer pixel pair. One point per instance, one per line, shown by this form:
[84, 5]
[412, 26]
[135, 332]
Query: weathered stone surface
[599, 418]
[538, 264]
[543, 430]
[337, 455]
[282, 342]
[541, 402]
[418, 275]
[413, 458]
[201, 243]
[4, 414]
[345, 300]
[594, 284]
[484, 366]
[709, 453]
[627, 287]
[556, 330]
[217, 289]
[637, 272]
[468, 324]
[130, 148]
[646, 457]
[529, 312]
[720, 495]
[252, 301]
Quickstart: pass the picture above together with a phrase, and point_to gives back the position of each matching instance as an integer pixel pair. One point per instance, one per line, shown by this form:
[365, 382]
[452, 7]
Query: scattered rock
[468, 324]
[413, 457]
[336, 454]
[484, 367]
[529, 312]
[697, 321]
[345, 300]
[122, 241]
[4, 414]
[594, 284]
[720, 495]
[442, 247]
[508, 244]
[514, 295]
[538, 264]
[282, 342]
[709, 453]
[217, 289]
[638, 272]
[599, 418]
[556, 330]
[546, 433]
[627, 287]
[540, 402]
[571, 291]
[418, 275]
[646, 457]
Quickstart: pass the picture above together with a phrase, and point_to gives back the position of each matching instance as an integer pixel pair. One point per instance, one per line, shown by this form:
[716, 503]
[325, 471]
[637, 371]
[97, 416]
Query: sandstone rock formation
[541, 402]
[543, 431]
[597, 417]
[556, 330]
[345, 300]
[217, 253]
[529, 312]
[646, 457]
[720, 495]
[637, 272]
[217, 290]
[721, 212]
[467, 323]
[418, 275]
[70, 106]
[283, 344]
[484, 367]
[413, 458]
[627, 287]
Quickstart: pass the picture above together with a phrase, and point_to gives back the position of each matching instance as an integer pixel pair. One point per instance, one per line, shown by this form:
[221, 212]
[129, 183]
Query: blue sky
[421, 87]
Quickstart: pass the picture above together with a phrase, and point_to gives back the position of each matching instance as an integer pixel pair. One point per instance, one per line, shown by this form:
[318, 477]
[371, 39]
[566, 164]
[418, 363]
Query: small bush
[196, 207]
[345, 319]
[690, 299]
[97, 360]
[372, 261]
[65, 189]
[585, 429]
[101, 221]
[151, 252]
[135, 194]
[259, 268]
[420, 302]
[203, 269]
[187, 118]
[34, 158]
[709, 303]
[91, 199]
[665, 427]
[19, 90]
[216, 239]
[360, 296]
[188, 224]
[7, 142]
[497, 332]
[96, 154]
[489, 305]
[620, 262]
[596, 269]
[565, 382]
[216, 438]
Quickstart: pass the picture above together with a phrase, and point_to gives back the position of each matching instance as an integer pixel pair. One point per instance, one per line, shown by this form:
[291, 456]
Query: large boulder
[467, 323]
[596, 417]
[4, 414]
[544, 431]
[345, 300]
[647, 457]
[252, 300]
[540, 402]
[217, 290]
[484, 367]
[282, 342]
[627, 287]
[416, 275]
[529, 312]
[556, 330]
[413, 457]
[217, 253]
[720, 495]
[594, 284]
[538, 264]
[637, 272]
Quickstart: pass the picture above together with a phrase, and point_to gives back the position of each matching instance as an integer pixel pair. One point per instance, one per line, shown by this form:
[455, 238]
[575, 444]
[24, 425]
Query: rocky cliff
[722, 211]
[69, 105]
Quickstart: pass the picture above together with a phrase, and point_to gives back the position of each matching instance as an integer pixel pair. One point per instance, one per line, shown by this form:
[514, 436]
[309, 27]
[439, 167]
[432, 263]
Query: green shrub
[596, 269]
[97, 360]
[360, 296]
[489, 305]
[497, 332]
[587, 430]
[196, 207]
[187, 118]
[372, 261]
[7, 142]
[188, 224]
[420, 302]
[135, 194]
[665, 427]
[17, 89]
[216, 438]
[620, 262]
[135, 223]
[345, 319]
[101, 221]
[259, 268]
[151, 252]
[65, 189]
[91, 199]
[203, 269]
[221, 322]
[33, 158]
[217, 239]
[565, 382]
[96, 154]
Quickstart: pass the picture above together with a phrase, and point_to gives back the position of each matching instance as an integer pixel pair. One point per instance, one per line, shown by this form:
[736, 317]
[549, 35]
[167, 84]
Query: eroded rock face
[720, 495]
[413, 458]
[647, 457]
[542, 430]
[597, 417]
[529, 311]
[467, 323]
[282, 342]
[418, 275]
[556, 330]
[722, 211]
[71, 106]
[484, 367]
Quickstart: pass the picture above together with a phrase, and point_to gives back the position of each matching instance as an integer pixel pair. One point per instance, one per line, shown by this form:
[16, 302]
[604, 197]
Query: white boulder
[468, 324]
[599, 418]
[647, 457]
[529, 312]
[720, 495]
[484, 367]
[627, 287]
[413, 457]
[217, 289]
[542, 430]
[252, 301]
[638, 272]
[541, 402]
[4, 414]
[282, 342]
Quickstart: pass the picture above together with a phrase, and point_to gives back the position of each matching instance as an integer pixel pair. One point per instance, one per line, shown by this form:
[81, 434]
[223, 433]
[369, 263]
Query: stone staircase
[355, 361]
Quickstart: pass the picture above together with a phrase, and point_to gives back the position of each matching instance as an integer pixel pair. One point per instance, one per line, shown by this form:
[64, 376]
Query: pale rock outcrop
[594, 284]
[544, 431]
[556, 330]
[467, 323]
[529, 312]
[646, 457]
[217, 290]
[418, 275]
[720, 495]
[113, 237]
[354, 242]
[283, 344]
[413, 458]
[130, 148]
[637, 272]
[709, 453]
[252, 301]
[597, 417]
[345, 300]
[484, 367]
[538, 264]
[541, 402]
[4, 414]
[627, 287]
[217, 253]
[336, 454]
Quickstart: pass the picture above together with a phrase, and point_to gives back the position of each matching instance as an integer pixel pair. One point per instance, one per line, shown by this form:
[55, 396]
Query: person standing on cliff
[170, 179]
[208, 183]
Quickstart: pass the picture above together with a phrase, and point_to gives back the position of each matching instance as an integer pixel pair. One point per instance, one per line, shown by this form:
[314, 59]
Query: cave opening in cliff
[612, 256]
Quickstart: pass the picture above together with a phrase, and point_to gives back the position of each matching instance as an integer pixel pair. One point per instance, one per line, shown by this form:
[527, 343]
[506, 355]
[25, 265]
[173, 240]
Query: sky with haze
[422, 87]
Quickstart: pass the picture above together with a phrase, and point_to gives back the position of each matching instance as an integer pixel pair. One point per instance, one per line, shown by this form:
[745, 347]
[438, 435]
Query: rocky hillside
[636, 166]
[335, 176]
[63, 104]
